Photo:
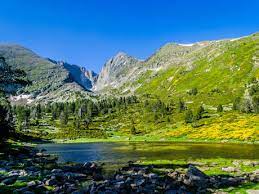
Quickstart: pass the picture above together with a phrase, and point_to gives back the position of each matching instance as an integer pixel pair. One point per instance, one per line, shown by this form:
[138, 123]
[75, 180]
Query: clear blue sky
[88, 33]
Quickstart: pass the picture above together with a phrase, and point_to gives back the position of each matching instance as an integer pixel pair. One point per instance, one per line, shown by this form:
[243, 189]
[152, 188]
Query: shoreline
[89, 140]
[41, 172]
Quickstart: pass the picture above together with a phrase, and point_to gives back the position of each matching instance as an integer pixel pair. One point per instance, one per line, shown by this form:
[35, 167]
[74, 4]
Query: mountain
[203, 91]
[50, 80]
[80, 75]
[218, 70]
[116, 72]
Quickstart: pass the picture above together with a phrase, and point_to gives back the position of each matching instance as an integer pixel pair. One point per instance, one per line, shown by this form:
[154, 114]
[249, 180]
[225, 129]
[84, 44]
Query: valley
[206, 91]
[183, 120]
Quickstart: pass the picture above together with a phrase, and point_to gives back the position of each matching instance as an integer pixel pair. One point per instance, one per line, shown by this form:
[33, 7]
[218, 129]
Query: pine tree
[63, 118]
[10, 80]
[181, 106]
[236, 103]
[189, 116]
[200, 112]
[220, 108]
[87, 122]
[256, 104]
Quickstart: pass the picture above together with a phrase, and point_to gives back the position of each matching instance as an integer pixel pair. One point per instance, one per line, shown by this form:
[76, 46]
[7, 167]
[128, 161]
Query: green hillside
[219, 76]
[208, 91]
[45, 75]
[50, 81]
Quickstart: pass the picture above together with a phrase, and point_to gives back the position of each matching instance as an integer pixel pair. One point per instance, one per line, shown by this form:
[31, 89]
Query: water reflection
[123, 152]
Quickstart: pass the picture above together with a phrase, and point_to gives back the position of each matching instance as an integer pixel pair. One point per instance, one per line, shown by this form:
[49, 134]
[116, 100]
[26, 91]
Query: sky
[89, 32]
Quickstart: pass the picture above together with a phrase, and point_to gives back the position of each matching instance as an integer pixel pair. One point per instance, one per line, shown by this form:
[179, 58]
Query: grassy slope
[219, 71]
[228, 72]
[44, 74]
[49, 81]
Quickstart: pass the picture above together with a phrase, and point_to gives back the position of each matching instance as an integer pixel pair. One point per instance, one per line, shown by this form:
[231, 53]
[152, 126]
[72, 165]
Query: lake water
[133, 151]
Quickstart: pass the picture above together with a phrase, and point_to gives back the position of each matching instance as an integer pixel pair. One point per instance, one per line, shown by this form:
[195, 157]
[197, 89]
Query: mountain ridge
[122, 74]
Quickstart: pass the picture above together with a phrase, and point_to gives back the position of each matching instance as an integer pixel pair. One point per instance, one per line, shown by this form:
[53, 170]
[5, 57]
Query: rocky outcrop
[116, 71]
[80, 75]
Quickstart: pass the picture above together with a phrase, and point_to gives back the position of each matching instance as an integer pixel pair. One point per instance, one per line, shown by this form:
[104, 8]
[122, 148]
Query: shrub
[189, 116]
[220, 108]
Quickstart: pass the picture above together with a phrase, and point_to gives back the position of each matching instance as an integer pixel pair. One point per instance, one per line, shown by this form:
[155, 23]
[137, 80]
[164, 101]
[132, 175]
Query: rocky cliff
[116, 71]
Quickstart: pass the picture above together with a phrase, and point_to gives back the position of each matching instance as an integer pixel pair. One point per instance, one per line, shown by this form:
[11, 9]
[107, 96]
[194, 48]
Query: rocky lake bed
[30, 170]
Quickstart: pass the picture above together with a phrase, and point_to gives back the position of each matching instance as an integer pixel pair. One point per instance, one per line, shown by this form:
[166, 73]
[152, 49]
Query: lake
[132, 151]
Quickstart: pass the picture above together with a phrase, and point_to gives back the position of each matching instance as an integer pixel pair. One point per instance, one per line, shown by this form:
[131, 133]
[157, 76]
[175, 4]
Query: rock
[139, 182]
[236, 163]
[97, 177]
[196, 178]
[87, 164]
[51, 182]
[21, 190]
[43, 150]
[23, 173]
[31, 184]
[56, 171]
[174, 174]
[229, 169]
[254, 178]
[3, 171]
[250, 163]
[256, 172]
[28, 192]
[32, 168]
[252, 191]
[40, 154]
[72, 175]
[193, 171]
[9, 180]
[78, 192]
[119, 184]
[152, 176]
[13, 173]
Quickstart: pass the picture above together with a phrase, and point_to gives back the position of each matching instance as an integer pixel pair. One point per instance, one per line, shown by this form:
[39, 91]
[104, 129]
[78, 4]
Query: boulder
[229, 169]
[9, 180]
[31, 184]
[51, 182]
[56, 171]
[196, 178]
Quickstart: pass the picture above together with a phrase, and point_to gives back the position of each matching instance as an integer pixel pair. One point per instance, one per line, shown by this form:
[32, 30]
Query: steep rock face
[116, 71]
[91, 75]
[80, 75]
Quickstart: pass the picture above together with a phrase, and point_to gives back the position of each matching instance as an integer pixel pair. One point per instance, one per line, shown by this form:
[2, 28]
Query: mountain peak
[121, 53]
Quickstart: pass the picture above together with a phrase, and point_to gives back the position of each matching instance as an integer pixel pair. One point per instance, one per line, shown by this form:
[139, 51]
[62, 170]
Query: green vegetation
[197, 93]
[211, 167]
[10, 79]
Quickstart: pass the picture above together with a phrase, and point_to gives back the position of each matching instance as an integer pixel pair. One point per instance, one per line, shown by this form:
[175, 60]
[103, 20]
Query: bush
[193, 92]
[220, 108]
[200, 112]
[189, 116]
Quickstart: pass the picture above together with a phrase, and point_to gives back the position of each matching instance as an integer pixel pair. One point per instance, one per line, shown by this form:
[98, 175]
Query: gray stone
[193, 171]
[31, 183]
[51, 182]
[28, 192]
[229, 169]
[252, 191]
[9, 180]
[56, 171]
